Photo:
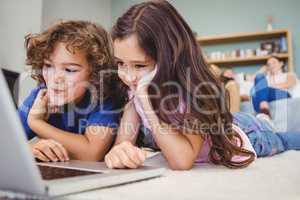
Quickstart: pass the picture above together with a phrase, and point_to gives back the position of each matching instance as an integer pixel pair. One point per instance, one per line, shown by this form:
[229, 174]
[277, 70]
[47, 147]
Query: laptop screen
[12, 79]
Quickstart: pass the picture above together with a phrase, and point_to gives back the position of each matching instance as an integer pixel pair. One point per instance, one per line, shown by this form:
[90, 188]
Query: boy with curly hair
[65, 111]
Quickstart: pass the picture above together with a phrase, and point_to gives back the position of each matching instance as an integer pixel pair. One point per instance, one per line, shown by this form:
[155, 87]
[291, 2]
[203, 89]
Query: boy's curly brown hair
[77, 35]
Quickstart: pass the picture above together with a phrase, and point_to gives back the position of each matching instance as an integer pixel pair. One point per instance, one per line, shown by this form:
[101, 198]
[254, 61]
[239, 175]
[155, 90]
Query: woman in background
[272, 83]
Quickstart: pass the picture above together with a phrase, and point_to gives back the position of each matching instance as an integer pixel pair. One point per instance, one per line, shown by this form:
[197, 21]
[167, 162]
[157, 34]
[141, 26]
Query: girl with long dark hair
[174, 99]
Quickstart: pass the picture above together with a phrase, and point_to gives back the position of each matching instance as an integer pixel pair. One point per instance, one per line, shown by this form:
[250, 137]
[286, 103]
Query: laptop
[20, 173]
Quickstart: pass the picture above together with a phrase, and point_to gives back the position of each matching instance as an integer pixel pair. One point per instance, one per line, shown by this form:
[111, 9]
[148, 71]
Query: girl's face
[66, 75]
[132, 61]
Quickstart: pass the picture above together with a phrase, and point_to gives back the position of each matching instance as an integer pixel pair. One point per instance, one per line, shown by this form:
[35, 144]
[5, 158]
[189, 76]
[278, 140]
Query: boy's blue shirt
[74, 120]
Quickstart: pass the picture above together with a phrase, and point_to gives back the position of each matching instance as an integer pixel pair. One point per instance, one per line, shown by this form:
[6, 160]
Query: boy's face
[133, 63]
[66, 75]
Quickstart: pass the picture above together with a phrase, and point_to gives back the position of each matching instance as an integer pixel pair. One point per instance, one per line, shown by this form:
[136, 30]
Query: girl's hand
[38, 110]
[125, 155]
[49, 151]
[145, 81]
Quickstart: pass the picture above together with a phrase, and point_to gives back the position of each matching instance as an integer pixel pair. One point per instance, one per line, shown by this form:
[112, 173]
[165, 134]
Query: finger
[133, 150]
[42, 93]
[108, 162]
[39, 103]
[45, 98]
[147, 78]
[56, 149]
[125, 160]
[65, 153]
[39, 155]
[142, 154]
[132, 153]
[62, 150]
[115, 162]
[50, 155]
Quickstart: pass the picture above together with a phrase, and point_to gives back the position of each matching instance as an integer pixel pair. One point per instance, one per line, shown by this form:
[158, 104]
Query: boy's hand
[125, 155]
[38, 110]
[49, 151]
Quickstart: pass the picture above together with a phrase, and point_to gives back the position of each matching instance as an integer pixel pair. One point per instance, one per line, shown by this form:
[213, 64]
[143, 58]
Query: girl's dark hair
[164, 36]
[77, 35]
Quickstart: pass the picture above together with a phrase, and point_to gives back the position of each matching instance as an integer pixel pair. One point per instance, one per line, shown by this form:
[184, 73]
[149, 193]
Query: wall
[214, 17]
[92, 10]
[206, 17]
[17, 19]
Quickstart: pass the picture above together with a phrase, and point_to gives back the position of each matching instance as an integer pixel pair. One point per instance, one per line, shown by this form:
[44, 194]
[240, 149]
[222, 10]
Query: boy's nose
[58, 76]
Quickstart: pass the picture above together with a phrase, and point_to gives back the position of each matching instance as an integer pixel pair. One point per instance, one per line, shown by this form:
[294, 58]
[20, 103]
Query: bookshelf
[250, 37]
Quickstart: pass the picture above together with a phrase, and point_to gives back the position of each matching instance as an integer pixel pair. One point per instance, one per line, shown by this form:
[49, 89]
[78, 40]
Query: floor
[275, 178]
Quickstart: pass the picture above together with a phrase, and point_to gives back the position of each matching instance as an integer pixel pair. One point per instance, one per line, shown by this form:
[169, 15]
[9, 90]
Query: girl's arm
[129, 125]
[125, 154]
[180, 150]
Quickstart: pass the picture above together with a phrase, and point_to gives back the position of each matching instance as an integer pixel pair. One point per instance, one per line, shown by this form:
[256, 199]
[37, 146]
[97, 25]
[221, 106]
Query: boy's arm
[91, 146]
[23, 111]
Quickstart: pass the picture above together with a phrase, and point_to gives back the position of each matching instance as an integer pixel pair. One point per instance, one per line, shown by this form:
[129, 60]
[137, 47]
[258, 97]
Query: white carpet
[276, 178]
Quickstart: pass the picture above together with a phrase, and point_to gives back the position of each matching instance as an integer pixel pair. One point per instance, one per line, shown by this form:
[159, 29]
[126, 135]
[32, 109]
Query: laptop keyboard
[50, 173]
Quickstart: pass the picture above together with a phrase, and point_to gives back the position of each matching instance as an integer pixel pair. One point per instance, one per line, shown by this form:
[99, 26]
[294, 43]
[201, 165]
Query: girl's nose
[130, 76]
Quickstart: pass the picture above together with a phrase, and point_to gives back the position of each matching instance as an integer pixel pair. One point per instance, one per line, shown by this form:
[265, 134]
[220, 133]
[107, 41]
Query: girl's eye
[71, 70]
[140, 66]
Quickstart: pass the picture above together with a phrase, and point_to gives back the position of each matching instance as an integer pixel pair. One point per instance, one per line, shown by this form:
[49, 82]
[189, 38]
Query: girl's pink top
[203, 155]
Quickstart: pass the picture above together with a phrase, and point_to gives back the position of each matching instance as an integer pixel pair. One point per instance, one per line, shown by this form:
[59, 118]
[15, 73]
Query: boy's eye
[71, 70]
[47, 65]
